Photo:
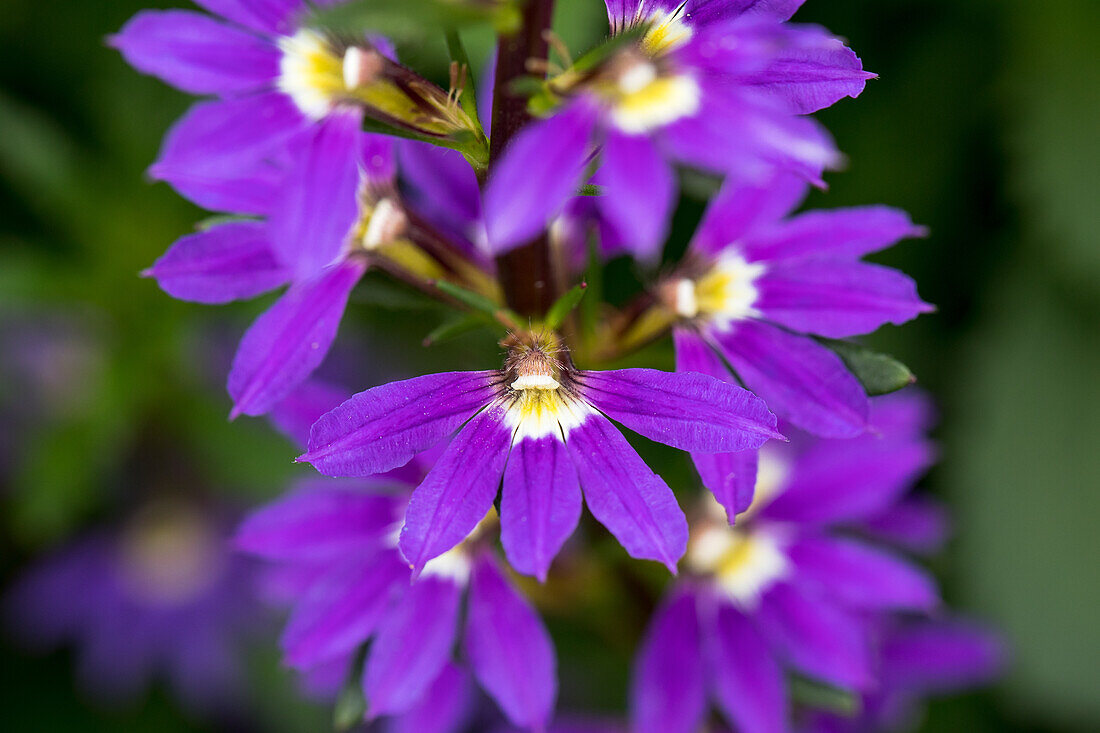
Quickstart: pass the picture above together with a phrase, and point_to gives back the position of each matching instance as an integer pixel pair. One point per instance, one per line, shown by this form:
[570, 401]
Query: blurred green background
[983, 125]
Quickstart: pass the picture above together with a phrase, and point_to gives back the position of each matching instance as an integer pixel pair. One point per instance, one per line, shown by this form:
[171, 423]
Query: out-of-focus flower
[787, 588]
[543, 425]
[717, 85]
[161, 597]
[756, 287]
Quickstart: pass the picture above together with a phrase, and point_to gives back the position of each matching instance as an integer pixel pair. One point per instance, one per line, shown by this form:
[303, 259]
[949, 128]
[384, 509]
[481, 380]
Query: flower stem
[526, 273]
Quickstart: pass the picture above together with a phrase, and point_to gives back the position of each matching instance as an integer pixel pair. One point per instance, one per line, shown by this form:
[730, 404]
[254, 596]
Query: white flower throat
[536, 403]
[725, 293]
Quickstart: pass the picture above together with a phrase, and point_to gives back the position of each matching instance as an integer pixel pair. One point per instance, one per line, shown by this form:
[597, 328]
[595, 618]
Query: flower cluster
[333, 158]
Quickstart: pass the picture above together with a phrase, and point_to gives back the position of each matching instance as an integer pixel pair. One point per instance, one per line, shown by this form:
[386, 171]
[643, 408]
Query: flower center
[744, 563]
[667, 31]
[644, 95]
[455, 563]
[725, 293]
[311, 72]
[169, 554]
[536, 402]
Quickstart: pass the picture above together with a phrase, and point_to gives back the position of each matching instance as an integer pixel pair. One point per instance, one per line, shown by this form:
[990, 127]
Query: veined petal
[196, 53]
[291, 339]
[686, 410]
[798, 378]
[265, 16]
[384, 427]
[638, 192]
[712, 11]
[731, 477]
[509, 649]
[319, 521]
[812, 72]
[458, 491]
[742, 207]
[540, 504]
[816, 636]
[413, 644]
[861, 576]
[837, 234]
[622, 492]
[539, 171]
[295, 414]
[227, 262]
[668, 694]
[342, 609]
[745, 678]
[319, 205]
[443, 708]
[837, 299]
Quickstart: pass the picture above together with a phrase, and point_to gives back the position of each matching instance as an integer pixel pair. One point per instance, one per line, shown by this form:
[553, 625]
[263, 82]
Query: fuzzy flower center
[537, 403]
[725, 293]
[169, 554]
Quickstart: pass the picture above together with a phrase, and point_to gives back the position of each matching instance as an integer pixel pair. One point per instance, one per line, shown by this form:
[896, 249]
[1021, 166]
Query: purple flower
[756, 288]
[787, 588]
[332, 549]
[717, 85]
[320, 248]
[542, 426]
[163, 597]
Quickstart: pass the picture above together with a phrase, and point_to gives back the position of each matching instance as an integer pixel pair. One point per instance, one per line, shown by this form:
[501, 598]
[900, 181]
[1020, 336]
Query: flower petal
[539, 171]
[837, 299]
[342, 608]
[798, 378]
[667, 692]
[837, 234]
[742, 207]
[812, 72]
[861, 576]
[443, 708]
[383, 428]
[731, 477]
[686, 410]
[941, 656]
[622, 492]
[196, 53]
[291, 339]
[458, 491]
[917, 524]
[295, 414]
[413, 644]
[540, 503]
[265, 16]
[509, 649]
[443, 185]
[318, 205]
[816, 636]
[745, 677]
[227, 262]
[638, 193]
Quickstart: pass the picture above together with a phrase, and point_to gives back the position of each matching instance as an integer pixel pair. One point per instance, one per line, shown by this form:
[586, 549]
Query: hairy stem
[526, 273]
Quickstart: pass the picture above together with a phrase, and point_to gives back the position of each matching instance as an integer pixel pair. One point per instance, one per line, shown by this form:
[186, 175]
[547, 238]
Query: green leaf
[878, 373]
[454, 328]
[821, 696]
[475, 301]
[351, 705]
[564, 305]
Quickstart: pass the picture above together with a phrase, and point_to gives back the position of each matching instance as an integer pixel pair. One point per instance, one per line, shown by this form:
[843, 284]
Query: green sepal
[474, 147]
[455, 327]
[479, 303]
[564, 305]
[351, 704]
[878, 373]
[218, 219]
[820, 696]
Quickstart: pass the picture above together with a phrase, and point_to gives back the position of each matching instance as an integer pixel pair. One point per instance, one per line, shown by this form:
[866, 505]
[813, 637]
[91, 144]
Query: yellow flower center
[169, 553]
[725, 293]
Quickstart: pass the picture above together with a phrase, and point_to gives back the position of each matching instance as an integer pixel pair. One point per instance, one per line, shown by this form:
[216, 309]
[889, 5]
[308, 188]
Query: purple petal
[539, 171]
[384, 427]
[458, 491]
[837, 299]
[840, 233]
[319, 205]
[812, 73]
[228, 262]
[667, 692]
[196, 53]
[265, 16]
[745, 677]
[861, 576]
[443, 184]
[731, 477]
[291, 339]
[744, 207]
[817, 637]
[342, 608]
[837, 481]
[622, 492]
[713, 11]
[686, 410]
[319, 521]
[443, 708]
[798, 378]
[638, 192]
[413, 643]
[916, 524]
[509, 649]
[941, 656]
[540, 504]
[225, 154]
[295, 414]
